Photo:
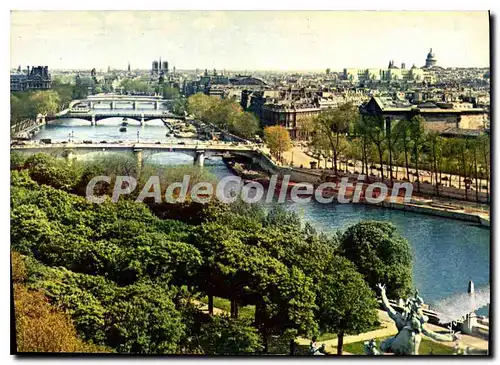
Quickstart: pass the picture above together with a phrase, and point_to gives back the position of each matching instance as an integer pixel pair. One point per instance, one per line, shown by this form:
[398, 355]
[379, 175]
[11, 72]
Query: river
[447, 253]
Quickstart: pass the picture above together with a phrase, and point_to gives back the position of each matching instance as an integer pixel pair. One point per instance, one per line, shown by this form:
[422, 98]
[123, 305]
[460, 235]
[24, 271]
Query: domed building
[430, 61]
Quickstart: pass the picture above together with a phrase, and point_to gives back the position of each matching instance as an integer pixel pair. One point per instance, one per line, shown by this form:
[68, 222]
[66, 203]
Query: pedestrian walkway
[387, 328]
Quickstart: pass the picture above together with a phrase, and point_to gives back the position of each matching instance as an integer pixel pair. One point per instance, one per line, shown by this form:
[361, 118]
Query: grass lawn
[427, 347]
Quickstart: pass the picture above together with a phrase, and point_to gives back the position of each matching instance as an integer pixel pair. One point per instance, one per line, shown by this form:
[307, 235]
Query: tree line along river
[447, 253]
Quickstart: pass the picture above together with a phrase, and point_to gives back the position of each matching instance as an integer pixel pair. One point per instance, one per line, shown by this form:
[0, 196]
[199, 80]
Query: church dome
[430, 55]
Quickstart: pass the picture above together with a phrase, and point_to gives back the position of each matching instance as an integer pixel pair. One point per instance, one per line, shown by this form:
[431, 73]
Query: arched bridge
[94, 116]
[143, 151]
[113, 99]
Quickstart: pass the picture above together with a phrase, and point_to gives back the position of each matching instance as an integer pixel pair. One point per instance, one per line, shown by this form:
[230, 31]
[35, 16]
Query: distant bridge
[142, 116]
[142, 151]
[112, 99]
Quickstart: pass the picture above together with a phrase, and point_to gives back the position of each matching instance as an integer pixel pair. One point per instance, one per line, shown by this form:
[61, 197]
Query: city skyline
[247, 40]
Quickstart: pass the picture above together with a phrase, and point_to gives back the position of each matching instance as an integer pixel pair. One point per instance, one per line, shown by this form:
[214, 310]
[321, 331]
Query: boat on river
[123, 129]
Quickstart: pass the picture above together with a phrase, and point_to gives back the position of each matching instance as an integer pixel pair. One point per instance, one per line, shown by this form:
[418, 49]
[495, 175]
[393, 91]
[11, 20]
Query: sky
[247, 40]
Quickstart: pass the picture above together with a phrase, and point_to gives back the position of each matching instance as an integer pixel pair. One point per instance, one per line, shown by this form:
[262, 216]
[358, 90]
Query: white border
[184, 5]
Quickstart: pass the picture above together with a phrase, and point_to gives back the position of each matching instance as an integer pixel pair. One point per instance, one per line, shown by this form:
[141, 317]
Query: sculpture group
[411, 326]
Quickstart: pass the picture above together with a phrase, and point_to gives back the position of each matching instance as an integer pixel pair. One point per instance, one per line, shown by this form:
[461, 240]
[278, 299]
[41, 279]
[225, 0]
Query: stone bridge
[113, 99]
[141, 116]
[142, 151]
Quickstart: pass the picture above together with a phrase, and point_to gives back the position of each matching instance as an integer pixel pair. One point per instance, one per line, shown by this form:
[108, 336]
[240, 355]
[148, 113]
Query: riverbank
[446, 208]
[478, 218]
[452, 186]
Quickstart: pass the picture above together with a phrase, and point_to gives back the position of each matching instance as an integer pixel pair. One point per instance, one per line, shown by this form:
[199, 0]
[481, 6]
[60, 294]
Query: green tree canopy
[380, 254]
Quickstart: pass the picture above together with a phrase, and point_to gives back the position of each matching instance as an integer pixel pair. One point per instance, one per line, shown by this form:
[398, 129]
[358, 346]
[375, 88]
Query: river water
[447, 253]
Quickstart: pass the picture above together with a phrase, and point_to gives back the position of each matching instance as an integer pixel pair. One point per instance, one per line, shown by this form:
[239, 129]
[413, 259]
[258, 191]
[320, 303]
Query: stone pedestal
[469, 323]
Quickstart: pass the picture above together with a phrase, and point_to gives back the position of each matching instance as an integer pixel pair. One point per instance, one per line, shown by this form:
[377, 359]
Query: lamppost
[137, 136]
[73, 136]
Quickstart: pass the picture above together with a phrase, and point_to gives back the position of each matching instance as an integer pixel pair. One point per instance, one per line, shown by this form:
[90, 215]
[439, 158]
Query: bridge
[142, 151]
[113, 99]
[94, 116]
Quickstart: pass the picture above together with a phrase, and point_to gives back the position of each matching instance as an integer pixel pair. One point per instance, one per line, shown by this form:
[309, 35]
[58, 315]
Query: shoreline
[482, 220]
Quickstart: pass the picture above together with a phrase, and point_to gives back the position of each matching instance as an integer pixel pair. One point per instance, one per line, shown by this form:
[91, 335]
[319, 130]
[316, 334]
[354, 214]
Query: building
[290, 115]
[36, 78]
[159, 68]
[415, 74]
[444, 118]
[430, 61]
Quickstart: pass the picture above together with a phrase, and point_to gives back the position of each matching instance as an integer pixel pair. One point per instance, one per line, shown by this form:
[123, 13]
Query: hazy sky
[305, 40]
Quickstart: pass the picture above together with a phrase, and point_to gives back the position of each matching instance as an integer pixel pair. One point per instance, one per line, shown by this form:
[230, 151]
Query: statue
[371, 347]
[314, 349]
[410, 325]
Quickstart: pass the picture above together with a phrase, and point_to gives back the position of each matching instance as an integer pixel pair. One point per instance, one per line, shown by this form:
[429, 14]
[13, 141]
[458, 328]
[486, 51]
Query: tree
[143, 319]
[417, 133]
[321, 146]
[82, 87]
[223, 113]
[21, 108]
[375, 130]
[306, 127]
[380, 255]
[360, 130]
[346, 305]
[403, 129]
[170, 93]
[65, 92]
[485, 158]
[436, 156]
[278, 140]
[463, 147]
[45, 102]
[41, 327]
[245, 125]
[335, 124]
[199, 104]
[222, 335]
[134, 86]
[393, 135]
[179, 106]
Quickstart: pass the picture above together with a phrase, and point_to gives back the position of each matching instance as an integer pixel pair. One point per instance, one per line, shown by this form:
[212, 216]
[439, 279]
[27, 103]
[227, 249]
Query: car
[182, 143]
[103, 142]
[157, 142]
[87, 142]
